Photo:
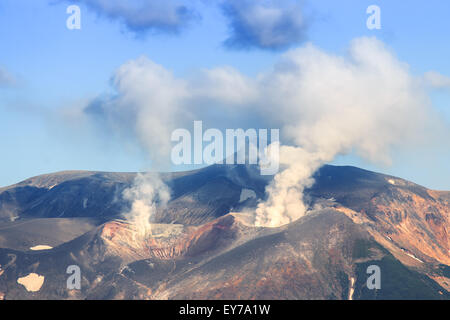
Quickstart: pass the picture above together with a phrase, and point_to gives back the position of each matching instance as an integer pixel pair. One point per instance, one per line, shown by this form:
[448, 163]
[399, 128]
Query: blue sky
[54, 68]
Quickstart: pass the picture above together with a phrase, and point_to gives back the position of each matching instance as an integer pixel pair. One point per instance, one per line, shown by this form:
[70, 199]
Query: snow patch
[414, 257]
[411, 255]
[352, 289]
[32, 282]
[41, 247]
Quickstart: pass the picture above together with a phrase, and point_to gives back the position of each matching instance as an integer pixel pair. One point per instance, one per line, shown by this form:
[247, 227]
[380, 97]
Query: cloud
[147, 104]
[6, 78]
[224, 85]
[365, 102]
[436, 80]
[140, 16]
[264, 24]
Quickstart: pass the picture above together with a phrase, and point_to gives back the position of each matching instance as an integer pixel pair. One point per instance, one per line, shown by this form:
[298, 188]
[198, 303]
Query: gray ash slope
[202, 252]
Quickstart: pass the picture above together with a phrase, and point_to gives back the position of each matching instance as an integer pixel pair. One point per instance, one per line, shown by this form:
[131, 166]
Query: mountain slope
[198, 250]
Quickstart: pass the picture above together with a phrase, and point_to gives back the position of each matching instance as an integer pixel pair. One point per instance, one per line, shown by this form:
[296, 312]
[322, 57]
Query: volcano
[199, 249]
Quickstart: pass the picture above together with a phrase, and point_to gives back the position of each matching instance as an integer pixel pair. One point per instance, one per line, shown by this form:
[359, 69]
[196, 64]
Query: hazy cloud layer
[145, 15]
[264, 24]
[437, 80]
[6, 78]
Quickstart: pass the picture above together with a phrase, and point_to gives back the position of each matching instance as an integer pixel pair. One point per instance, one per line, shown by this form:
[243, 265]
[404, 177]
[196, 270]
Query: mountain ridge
[199, 250]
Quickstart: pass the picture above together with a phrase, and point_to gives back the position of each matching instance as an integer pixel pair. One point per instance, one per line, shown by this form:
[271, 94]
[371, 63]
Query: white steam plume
[147, 193]
[367, 103]
[148, 102]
